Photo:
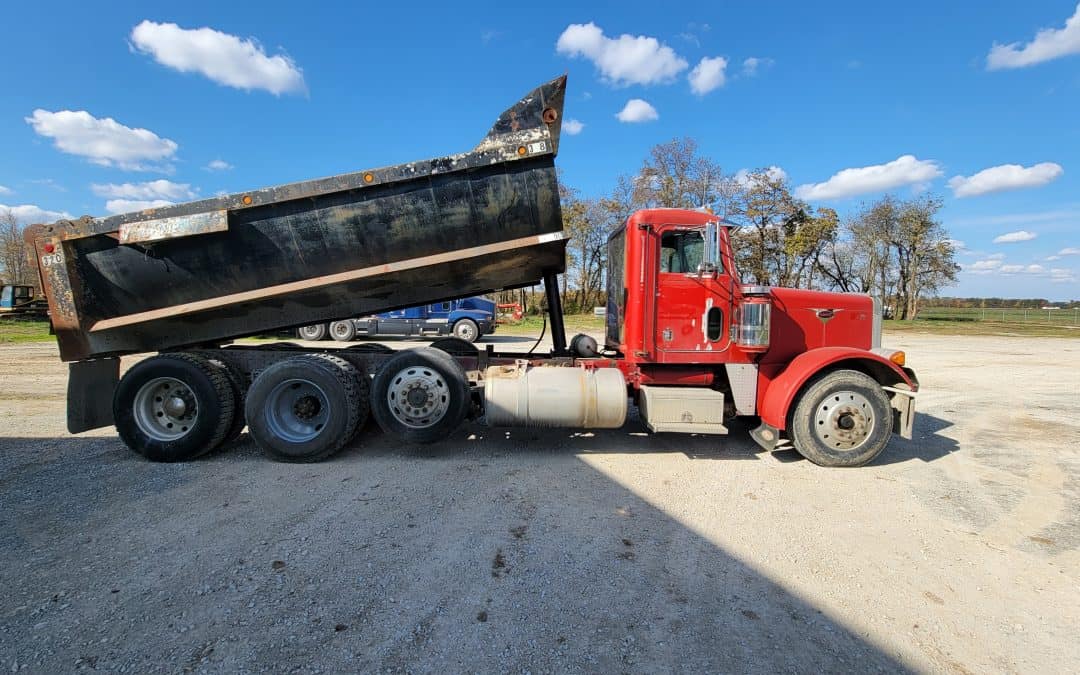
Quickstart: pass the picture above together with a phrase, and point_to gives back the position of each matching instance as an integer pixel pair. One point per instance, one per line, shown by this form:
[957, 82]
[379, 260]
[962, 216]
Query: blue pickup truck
[468, 318]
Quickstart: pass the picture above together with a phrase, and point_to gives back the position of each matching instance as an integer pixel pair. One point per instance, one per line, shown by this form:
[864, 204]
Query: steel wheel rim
[844, 420]
[165, 409]
[297, 410]
[465, 331]
[418, 397]
[309, 332]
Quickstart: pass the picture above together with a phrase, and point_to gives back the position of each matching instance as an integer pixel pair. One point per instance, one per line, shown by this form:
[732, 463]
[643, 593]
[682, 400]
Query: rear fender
[779, 385]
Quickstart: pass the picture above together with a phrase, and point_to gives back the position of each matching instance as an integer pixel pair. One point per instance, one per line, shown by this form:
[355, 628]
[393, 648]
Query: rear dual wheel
[306, 408]
[174, 407]
[421, 395]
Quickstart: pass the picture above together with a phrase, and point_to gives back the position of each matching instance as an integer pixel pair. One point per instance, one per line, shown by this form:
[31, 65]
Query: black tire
[334, 397]
[442, 399]
[239, 388]
[142, 418]
[455, 346]
[826, 407]
[314, 332]
[343, 331]
[467, 330]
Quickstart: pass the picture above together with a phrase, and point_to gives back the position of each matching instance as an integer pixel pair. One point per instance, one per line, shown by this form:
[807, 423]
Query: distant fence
[1046, 317]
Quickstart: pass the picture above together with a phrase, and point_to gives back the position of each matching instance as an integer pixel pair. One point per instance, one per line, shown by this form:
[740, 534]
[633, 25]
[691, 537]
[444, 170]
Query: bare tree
[675, 175]
[893, 249]
[14, 252]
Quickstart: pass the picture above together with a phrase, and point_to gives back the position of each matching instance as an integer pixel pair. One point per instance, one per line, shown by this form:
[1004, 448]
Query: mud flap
[903, 404]
[91, 385]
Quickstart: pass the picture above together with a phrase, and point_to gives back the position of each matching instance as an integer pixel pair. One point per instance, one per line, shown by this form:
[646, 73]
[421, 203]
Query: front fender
[778, 384]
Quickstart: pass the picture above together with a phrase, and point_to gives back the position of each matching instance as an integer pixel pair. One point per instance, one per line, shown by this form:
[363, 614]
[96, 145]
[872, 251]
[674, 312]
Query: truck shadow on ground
[526, 560]
[633, 438]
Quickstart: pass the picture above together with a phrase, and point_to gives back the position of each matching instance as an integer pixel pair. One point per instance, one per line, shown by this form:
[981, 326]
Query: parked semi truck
[468, 319]
[686, 342]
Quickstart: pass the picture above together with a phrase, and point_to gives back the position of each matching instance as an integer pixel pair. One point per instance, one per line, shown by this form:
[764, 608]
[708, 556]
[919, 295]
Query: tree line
[895, 249]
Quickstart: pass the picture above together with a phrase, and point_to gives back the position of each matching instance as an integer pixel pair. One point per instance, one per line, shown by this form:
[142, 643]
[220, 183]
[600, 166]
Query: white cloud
[751, 65]
[957, 245]
[221, 57]
[905, 170]
[1013, 237]
[622, 61]
[129, 205]
[1059, 275]
[1004, 177]
[572, 126]
[31, 213]
[742, 176]
[983, 266]
[637, 110]
[1049, 43]
[218, 165]
[103, 141]
[155, 189]
[1011, 269]
[996, 256]
[707, 75]
[6, 190]
[1069, 250]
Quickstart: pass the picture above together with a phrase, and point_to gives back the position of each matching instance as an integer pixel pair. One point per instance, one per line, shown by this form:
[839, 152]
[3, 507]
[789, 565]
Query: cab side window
[681, 252]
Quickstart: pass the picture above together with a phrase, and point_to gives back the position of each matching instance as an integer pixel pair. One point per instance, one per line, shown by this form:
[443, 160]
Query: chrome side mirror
[711, 255]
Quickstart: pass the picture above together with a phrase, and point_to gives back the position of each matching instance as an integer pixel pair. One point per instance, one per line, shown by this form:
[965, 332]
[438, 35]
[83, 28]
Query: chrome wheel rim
[465, 331]
[339, 330]
[418, 397]
[165, 409]
[844, 420]
[310, 332]
[297, 410]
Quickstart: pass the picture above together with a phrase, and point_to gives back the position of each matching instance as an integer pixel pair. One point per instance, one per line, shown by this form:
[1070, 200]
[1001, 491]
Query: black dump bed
[371, 241]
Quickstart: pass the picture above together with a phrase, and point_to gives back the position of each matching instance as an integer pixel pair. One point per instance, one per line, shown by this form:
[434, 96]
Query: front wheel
[467, 330]
[842, 419]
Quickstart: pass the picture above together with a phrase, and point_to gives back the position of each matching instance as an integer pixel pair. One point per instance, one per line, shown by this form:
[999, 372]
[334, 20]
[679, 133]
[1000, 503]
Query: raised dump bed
[379, 239]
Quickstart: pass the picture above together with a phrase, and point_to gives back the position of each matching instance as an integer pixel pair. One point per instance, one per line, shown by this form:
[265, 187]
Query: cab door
[693, 301]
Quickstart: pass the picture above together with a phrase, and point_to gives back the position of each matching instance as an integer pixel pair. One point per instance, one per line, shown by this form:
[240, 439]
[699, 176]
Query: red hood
[805, 320]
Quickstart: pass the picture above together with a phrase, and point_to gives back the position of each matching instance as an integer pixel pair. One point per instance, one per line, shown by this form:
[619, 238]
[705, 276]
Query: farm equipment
[686, 342]
[20, 302]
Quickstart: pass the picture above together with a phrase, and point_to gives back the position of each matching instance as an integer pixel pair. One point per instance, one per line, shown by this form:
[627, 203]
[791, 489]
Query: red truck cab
[809, 364]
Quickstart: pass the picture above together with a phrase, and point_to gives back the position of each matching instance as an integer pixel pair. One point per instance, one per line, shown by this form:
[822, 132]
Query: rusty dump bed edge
[209, 271]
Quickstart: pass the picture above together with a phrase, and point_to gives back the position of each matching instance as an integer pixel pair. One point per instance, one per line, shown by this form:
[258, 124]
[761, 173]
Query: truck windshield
[681, 251]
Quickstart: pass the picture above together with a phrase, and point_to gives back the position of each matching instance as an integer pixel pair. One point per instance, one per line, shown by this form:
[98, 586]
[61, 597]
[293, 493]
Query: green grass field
[12, 331]
[1048, 317]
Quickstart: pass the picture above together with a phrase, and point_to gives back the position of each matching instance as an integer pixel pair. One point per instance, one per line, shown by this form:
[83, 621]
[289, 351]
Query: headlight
[755, 317]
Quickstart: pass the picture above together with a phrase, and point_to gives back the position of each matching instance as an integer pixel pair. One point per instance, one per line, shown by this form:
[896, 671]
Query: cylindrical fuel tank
[550, 396]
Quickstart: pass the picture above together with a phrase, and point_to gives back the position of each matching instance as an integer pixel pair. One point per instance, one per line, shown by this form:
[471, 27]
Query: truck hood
[804, 320]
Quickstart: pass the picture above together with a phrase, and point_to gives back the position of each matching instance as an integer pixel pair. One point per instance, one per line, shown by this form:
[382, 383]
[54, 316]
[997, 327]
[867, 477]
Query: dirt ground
[542, 551]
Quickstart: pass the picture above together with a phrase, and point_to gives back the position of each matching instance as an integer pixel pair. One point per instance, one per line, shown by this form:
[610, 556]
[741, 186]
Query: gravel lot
[538, 551]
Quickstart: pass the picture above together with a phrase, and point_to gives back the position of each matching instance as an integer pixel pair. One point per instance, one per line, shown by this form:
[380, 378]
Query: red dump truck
[686, 342]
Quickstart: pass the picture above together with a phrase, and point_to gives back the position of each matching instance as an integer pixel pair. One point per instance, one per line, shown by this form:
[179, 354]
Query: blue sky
[914, 94]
